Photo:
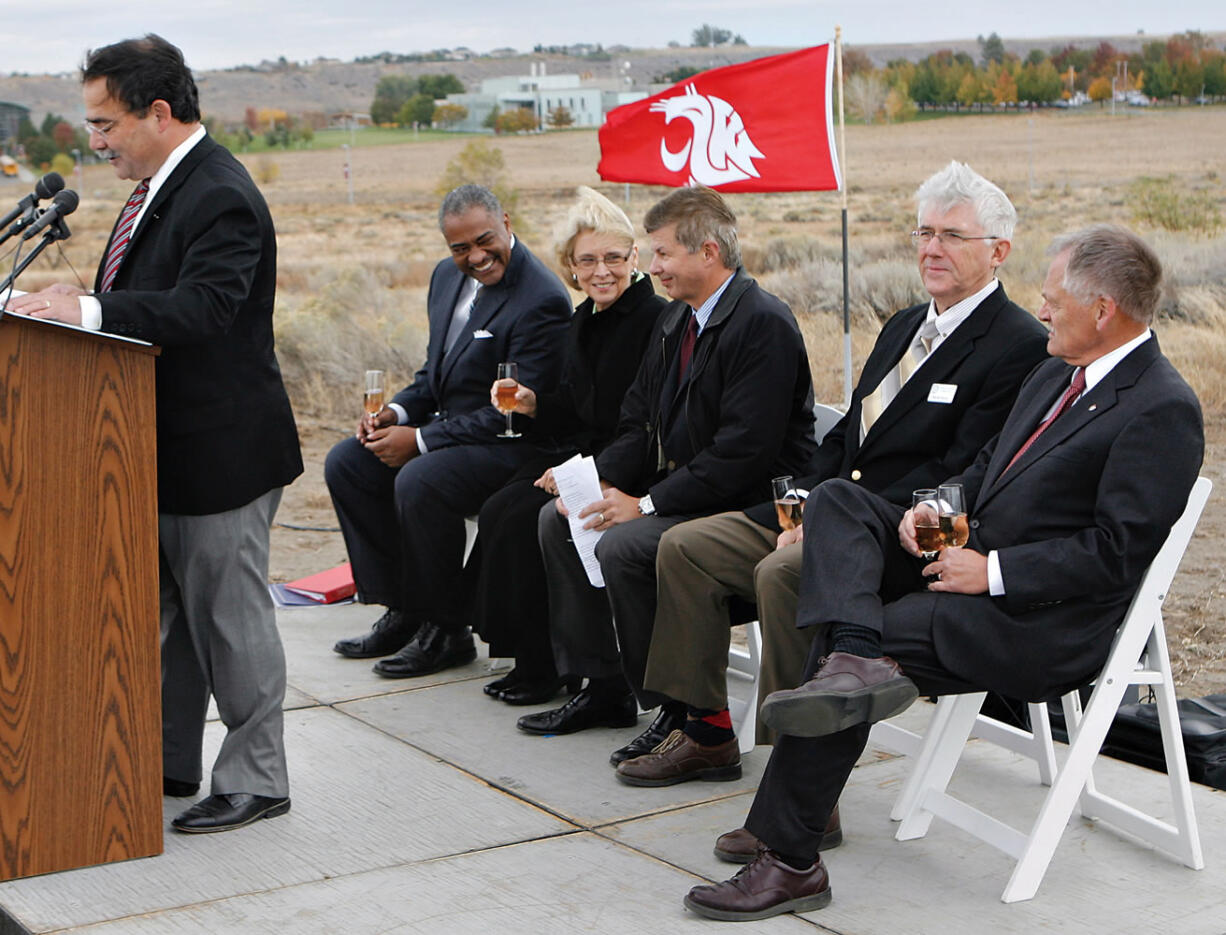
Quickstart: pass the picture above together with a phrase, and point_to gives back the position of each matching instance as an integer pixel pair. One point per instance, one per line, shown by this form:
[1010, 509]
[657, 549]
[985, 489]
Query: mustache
[104, 153]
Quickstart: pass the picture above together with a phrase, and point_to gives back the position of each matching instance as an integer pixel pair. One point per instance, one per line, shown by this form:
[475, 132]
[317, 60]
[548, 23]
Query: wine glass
[955, 529]
[508, 383]
[373, 400]
[788, 504]
[927, 522]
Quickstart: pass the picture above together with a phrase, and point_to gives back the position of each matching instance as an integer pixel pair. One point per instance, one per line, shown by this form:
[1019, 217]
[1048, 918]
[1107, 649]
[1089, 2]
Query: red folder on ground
[326, 587]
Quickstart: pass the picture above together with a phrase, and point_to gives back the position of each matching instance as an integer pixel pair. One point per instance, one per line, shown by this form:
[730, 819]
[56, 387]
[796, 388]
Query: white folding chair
[743, 666]
[1141, 636]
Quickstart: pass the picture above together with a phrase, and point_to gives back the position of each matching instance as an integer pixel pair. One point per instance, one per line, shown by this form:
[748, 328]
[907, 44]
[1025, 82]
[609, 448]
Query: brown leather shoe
[741, 846]
[763, 888]
[847, 690]
[680, 758]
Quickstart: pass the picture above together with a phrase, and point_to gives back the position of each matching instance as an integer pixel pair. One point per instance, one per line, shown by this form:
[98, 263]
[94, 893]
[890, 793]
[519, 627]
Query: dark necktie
[123, 234]
[1076, 388]
[687, 346]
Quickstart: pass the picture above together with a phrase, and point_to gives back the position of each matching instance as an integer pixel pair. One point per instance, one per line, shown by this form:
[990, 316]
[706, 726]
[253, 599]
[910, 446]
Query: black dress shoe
[667, 721]
[495, 688]
[431, 650]
[228, 811]
[537, 691]
[179, 788]
[388, 634]
[581, 712]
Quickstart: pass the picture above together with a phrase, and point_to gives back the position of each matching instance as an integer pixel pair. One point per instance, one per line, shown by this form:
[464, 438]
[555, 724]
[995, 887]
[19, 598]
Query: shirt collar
[957, 313]
[703, 312]
[172, 162]
[1097, 369]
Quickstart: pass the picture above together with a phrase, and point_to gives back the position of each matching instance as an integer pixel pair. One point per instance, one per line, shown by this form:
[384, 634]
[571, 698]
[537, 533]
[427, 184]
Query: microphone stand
[20, 224]
[58, 230]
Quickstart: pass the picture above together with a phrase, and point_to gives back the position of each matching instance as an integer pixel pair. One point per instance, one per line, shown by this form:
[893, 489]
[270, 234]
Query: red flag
[760, 126]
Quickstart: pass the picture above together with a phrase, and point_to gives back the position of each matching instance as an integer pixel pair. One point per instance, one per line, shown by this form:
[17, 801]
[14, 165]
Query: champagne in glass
[373, 400]
[955, 529]
[504, 393]
[927, 520]
[788, 504]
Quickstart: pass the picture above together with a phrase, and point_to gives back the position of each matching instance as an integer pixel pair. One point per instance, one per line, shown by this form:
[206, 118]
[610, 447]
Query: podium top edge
[135, 343]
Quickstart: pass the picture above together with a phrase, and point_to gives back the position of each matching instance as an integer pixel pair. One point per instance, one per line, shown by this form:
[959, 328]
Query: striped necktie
[872, 405]
[1076, 388]
[123, 234]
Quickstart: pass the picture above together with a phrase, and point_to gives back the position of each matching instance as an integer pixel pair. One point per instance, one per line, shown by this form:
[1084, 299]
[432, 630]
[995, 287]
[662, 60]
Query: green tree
[419, 109]
[707, 35]
[1159, 82]
[516, 120]
[391, 94]
[991, 49]
[1189, 78]
[439, 86]
[677, 75]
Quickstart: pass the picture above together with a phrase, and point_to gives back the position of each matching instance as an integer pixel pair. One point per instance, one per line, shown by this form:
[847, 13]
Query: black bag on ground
[1136, 737]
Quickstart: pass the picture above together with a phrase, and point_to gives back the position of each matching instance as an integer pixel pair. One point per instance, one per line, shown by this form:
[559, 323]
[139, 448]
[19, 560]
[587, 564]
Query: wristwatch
[646, 507]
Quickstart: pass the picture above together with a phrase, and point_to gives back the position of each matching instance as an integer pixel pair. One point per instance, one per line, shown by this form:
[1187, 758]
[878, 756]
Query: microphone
[47, 186]
[63, 204]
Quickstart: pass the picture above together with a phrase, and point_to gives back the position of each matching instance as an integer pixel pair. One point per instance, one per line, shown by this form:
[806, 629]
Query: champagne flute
[373, 400]
[927, 520]
[788, 504]
[955, 529]
[508, 383]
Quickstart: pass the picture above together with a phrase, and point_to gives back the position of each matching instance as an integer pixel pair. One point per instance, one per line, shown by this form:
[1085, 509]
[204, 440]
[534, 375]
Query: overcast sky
[52, 35]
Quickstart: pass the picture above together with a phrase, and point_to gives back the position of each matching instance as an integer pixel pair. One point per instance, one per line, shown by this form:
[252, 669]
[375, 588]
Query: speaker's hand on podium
[57, 302]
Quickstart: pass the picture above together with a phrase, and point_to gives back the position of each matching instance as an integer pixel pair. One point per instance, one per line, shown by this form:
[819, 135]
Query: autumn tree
[560, 117]
[448, 115]
[1100, 89]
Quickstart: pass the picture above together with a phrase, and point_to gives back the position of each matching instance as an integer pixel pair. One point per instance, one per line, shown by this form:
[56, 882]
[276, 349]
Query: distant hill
[331, 86]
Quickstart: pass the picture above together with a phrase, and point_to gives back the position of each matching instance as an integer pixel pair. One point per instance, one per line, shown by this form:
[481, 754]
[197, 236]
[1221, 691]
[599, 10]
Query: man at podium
[191, 266]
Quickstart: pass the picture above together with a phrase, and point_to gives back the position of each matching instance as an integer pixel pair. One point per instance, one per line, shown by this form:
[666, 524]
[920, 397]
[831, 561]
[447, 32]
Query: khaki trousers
[700, 565]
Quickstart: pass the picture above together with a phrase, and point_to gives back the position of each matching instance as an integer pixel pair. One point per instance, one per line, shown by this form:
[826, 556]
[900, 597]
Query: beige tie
[875, 402]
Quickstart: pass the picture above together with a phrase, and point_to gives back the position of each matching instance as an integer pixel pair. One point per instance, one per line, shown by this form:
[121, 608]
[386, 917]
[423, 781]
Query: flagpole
[838, 64]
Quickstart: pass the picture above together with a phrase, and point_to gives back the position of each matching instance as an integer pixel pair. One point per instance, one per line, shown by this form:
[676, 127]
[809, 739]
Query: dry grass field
[353, 277]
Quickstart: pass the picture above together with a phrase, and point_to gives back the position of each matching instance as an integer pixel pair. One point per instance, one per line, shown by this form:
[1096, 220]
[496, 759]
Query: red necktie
[1076, 388]
[123, 234]
[687, 346]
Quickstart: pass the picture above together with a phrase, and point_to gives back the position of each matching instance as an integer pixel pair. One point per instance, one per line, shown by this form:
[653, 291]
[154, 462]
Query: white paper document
[578, 485]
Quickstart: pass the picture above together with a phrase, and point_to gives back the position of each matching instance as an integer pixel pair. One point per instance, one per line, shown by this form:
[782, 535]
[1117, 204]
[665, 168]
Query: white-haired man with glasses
[936, 386]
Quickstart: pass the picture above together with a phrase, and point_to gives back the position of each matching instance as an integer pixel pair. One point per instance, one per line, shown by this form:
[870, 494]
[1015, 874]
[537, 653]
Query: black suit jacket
[199, 279]
[521, 318]
[917, 442]
[742, 414]
[1076, 521]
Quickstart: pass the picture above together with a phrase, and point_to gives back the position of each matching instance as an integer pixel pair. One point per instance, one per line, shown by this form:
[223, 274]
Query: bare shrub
[480, 163]
[267, 170]
[1165, 203]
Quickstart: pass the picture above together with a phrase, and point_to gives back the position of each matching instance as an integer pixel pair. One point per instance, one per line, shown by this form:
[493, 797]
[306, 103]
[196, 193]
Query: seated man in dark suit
[1068, 504]
[936, 386]
[722, 403]
[404, 484]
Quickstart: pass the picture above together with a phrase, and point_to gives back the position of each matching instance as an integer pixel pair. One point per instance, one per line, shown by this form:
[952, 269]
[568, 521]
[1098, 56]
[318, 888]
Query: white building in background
[587, 99]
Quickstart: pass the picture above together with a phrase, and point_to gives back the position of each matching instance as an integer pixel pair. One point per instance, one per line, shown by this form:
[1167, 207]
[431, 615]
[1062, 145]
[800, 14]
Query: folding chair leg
[938, 758]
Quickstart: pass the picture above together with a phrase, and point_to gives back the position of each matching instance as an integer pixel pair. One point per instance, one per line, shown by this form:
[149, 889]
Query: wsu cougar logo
[720, 151]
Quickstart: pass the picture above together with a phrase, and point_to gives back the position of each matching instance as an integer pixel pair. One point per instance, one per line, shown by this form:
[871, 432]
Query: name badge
[942, 392]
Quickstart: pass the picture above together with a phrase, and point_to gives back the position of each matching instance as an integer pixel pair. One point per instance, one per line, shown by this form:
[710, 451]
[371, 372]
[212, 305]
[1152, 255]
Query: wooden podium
[80, 700]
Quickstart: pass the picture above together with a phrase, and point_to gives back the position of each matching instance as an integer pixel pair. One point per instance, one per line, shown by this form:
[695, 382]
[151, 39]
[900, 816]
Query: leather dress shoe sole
[802, 904]
[532, 692]
[807, 712]
[217, 813]
[397, 667]
[708, 774]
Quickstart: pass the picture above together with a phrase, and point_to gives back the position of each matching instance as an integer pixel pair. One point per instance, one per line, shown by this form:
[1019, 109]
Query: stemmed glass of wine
[508, 383]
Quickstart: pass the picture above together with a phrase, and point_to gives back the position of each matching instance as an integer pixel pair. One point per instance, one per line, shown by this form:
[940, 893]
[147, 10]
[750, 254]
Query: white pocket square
[481, 333]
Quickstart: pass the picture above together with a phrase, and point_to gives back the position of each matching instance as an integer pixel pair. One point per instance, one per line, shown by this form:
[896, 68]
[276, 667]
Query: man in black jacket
[192, 266]
[404, 484]
[901, 433]
[722, 403]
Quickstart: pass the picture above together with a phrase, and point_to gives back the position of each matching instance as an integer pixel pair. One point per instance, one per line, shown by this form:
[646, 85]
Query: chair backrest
[824, 418]
[1157, 579]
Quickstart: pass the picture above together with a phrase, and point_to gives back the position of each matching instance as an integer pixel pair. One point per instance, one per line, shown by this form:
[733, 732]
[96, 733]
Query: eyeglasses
[101, 129]
[923, 237]
[611, 261]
